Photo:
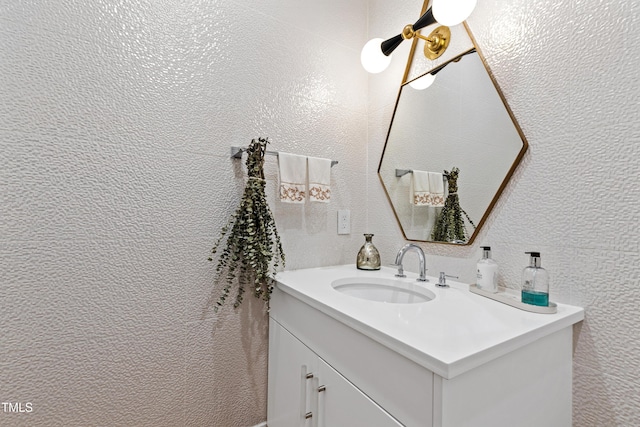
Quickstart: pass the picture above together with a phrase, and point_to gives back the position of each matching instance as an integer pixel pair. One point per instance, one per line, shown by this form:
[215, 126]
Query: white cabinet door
[291, 388]
[304, 391]
[341, 404]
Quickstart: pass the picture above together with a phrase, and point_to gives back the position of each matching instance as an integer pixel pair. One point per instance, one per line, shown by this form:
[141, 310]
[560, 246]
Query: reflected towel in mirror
[436, 190]
[419, 188]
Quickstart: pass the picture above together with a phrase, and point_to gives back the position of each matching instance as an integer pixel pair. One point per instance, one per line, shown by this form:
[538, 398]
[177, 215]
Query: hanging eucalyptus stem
[249, 245]
[450, 226]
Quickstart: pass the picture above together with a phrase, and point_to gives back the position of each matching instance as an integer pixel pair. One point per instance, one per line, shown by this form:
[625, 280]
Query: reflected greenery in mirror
[460, 121]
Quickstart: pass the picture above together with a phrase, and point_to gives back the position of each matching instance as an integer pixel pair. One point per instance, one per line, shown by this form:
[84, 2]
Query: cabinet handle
[315, 383]
[305, 376]
[308, 415]
[322, 388]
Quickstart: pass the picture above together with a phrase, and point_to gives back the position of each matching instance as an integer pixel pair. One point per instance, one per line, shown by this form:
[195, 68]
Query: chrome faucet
[400, 256]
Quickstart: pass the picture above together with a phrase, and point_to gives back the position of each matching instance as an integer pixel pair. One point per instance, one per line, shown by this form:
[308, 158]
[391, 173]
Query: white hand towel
[319, 179]
[419, 188]
[436, 189]
[293, 176]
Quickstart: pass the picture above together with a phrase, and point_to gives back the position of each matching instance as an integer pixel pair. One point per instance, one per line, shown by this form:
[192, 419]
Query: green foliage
[450, 226]
[249, 245]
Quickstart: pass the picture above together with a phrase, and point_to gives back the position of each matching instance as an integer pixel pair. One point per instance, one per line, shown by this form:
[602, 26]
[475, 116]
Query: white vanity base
[530, 387]
[369, 384]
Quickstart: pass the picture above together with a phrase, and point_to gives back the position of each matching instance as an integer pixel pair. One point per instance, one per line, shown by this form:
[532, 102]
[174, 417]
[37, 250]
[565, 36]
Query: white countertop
[451, 334]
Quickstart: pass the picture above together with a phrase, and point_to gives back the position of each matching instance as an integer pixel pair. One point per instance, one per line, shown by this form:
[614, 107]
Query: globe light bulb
[372, 58]
[423, 82]
[452, 12]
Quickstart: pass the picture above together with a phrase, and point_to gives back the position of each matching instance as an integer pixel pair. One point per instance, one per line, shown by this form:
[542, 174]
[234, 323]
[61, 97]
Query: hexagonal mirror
[451, 148]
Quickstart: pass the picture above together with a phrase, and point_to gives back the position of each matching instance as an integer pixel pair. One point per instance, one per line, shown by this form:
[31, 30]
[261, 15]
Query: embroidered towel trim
[436, 189]
[319, 179]
[419, 188]
[293, 175]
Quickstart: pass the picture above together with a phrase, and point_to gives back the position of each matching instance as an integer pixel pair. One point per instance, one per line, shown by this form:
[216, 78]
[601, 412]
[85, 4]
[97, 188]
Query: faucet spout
[400, 256]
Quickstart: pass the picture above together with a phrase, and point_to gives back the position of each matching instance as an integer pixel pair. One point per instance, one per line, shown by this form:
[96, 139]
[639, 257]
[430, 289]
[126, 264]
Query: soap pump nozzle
[535, 259]
[486, 252]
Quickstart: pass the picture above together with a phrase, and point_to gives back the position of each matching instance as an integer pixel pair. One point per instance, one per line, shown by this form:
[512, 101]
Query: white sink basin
[383, 290]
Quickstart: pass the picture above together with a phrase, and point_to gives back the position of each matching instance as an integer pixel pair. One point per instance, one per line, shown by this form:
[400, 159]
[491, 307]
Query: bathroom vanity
[363, 348]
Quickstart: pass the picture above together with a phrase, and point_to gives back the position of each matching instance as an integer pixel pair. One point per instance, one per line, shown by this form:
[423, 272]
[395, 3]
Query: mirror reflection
[458, 125]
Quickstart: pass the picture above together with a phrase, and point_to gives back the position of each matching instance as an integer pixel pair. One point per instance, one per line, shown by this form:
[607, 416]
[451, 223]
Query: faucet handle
[442, 281]
[400, 270]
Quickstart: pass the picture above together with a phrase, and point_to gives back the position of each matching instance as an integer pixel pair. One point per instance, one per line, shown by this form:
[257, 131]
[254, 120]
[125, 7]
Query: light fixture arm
[435, 44]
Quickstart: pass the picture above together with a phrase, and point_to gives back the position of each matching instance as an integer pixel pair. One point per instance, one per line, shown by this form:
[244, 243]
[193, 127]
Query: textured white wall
[116, 119]
[569, 72]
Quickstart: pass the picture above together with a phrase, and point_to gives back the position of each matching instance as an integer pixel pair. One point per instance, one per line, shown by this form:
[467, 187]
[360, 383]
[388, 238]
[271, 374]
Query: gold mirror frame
[413, 52]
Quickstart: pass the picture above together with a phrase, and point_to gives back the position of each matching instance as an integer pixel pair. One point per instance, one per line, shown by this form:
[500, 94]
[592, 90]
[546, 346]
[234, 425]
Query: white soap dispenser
[535, 282]
[487, 272]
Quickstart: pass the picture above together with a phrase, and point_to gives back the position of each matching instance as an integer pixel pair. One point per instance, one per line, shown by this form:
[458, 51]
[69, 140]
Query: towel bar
[403, 172]
[236, 153]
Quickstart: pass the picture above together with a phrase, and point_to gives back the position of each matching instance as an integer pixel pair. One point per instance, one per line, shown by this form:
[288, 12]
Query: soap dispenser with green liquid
[535, 282]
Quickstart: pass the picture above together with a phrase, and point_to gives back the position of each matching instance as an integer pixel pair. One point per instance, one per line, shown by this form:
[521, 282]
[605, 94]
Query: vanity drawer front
[400, 386]
[343, 404]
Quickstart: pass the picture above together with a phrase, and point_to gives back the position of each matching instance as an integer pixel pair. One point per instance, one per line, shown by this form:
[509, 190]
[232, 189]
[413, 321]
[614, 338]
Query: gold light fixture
[376, 53]
[435, 44]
